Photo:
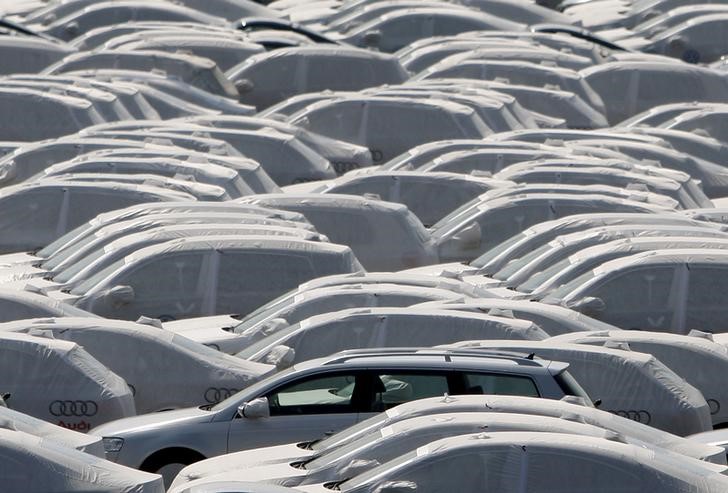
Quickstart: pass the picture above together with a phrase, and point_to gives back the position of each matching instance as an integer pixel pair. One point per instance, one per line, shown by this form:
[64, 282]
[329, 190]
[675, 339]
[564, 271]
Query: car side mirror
[588, 305]
[396, 487]
[119, 296]
[255, 409]
[469, 238]
[372, 38]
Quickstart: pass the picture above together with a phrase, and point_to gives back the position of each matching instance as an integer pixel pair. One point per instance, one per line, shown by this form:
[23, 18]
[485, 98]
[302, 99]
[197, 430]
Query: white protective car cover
[430, 196]
[629, 88]
[84, 442]
[342, 155]
[361, 328]
[462, 66]
[184, 373]
[60, 382]
[205, 173]
[387, 444]
[696, 301]
[540, 461]
[271, 77]
[385, 236]
[17, 305]
[231, 335]
[60, 115]
[34, 464]
[565, 408]
[55, 210]
[553, 319]
[23, 54]
[377, 122]
[483, 224]
[195, 71]
[630, 384]
[696, 358]
[269, 252]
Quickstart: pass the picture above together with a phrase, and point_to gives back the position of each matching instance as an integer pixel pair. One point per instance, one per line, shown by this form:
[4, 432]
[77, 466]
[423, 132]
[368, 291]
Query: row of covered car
[362, 246]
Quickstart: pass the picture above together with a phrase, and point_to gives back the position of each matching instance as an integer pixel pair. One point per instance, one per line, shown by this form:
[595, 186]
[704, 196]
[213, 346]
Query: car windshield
[494, 252]
[567, 288]
[65, 275]
[373, 423]
[517, 264]
[537, 279]
[278, 337]
[266, 311]
[361, 479]
[330, 456]
[255, 389]
[63, 241]
[92, 281]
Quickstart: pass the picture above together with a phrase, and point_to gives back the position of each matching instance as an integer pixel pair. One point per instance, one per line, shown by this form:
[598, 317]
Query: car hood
[134, 424]
[277, 474]
[245, 459]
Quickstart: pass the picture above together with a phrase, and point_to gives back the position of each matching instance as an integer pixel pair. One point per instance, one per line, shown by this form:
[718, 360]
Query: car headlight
[112, 444]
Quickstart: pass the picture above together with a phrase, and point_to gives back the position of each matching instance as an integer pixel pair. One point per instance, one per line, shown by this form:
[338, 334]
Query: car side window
[320, 394]
[398, 388]
[706, 306]
[637, 289]
[491, 383]
[602, 475]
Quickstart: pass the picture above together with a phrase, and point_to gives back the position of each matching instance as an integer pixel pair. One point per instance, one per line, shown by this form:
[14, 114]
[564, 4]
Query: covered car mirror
[588, 305]
[255, 409]
[469, 238]
[119, 296]
[281, 356]
[396, 487]
[372, 38]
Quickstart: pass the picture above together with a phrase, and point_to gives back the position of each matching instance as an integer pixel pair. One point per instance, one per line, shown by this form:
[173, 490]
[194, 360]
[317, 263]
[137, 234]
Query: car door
[393, 387]
[646, 298]
[303, 409]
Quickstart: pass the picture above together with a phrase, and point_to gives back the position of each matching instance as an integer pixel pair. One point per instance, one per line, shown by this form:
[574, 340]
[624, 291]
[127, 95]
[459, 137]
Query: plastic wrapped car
[629, 384]
[212, 276]
[383, 235]
[186, 373]
[695, 357]
[266, 79]
[78, 394]
[31, 463]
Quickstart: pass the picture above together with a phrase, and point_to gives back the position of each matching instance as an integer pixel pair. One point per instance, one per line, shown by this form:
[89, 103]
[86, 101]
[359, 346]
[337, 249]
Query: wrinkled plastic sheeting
[31, 463]
[185, 373]
[40, 115]
[17, 305]
[388, 327]
[196, 71]
[629, 88]
[527, 461]
[378, 122]
[630, 384]
[385, 236]
[33, 215]
[697, 359]
[269, 78]
[430, 196]
[17, 421]
[553, 319]
[61, 383]
[217, 275]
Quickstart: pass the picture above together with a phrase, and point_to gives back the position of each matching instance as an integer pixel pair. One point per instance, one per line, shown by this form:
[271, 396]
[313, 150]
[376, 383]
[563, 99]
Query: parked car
[326, 394]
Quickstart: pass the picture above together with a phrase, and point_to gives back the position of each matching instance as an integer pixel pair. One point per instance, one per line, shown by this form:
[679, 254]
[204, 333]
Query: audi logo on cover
[214, 395]
[73, 408]
[640, 416]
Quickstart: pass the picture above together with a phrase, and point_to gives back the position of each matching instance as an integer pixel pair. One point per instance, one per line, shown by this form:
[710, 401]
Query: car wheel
[168, 463]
